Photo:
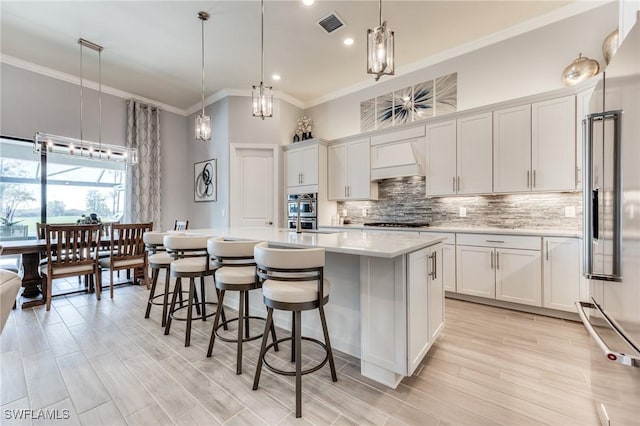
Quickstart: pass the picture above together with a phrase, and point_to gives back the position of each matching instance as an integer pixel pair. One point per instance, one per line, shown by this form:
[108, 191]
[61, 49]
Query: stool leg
[274, 338]
[241, 318]
[196, 298]
[152, 292]
[298, 345]
[246, 309]
[325, 331]
[216, 321]
[263, 348]
[111, 282]
[204, 299]
[176, 290]
[165, 298]
[224, 317]
[293, 335]
[192, 290]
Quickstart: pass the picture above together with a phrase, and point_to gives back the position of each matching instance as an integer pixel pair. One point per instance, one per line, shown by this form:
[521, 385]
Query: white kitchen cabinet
[474, 154]
[502, 267]
[349, 172]
[512, 149]
[475, 273]
[518, 276]
[441, 158]
[449, 267]
[553, 144]
[563, 282]
[459, 156]
[302, 166]
[425, 303]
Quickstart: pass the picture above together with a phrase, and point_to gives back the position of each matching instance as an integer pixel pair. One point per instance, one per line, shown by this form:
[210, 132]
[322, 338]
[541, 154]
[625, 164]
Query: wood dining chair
[70, 251]
[127, 251]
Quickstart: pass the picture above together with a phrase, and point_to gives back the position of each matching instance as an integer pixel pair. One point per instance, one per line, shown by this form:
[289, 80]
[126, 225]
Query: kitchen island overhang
[386, 305]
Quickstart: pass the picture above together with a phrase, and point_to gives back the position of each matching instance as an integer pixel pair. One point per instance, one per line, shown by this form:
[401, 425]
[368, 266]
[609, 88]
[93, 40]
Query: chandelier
[380, 49]
[261, 95]
[203, 122]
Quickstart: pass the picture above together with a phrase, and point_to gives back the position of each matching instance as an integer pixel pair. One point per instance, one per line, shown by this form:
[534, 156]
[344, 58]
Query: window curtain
[143, 189]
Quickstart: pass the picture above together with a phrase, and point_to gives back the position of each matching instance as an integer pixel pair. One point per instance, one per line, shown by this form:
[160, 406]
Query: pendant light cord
[81, 92]
[100, 98]
[202, 19]
[380, 12]
[261, 43]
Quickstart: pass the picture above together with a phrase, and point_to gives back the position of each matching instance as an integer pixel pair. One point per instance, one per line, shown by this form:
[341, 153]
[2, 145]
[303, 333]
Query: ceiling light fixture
[276, 77]
[380, 49]
[46, 143]
[203, 122]
[348, 41]
[308, 2]
[262, 96]
[579, 70]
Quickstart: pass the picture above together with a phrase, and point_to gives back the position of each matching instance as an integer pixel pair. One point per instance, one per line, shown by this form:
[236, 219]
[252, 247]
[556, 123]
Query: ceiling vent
[331, 22]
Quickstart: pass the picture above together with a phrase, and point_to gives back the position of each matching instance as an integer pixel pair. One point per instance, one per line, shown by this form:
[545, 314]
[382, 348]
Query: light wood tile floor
[106, 364]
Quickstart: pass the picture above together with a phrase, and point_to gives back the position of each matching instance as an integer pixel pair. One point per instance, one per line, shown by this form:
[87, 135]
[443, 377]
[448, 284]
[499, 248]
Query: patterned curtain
[143, 191]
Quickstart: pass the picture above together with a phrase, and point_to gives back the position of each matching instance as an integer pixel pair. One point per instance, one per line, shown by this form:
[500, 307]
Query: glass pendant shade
[380, 51]
[54, 144]
[579, 70]
[262, 99]
[203, 127]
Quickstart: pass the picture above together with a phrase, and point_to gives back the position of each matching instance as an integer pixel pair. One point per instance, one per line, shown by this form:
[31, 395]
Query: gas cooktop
[398, 224]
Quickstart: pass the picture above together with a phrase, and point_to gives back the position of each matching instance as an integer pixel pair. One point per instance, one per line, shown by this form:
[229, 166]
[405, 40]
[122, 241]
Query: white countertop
[461, 230]
[348, 241]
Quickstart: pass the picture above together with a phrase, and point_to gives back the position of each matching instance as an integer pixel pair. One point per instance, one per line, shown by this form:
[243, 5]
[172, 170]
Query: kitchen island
[386, 305]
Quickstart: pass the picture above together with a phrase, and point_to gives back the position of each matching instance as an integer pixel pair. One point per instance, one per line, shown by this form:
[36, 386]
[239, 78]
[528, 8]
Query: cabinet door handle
[454, 183]
[495, 241]
[435, 265]
[528, 177]
[345, 191]
[302, 177]
[458, 184]
[534, 178]
[433, 274]
[491, 260]
[547, 249]
[348, 191]
[497, 260]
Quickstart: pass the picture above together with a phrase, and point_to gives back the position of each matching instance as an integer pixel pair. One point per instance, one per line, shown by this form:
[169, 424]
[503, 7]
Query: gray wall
[32, 102]
[524, 65]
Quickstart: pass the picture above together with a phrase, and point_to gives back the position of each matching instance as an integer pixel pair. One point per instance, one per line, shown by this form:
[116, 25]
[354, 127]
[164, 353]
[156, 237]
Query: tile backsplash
[403, 199]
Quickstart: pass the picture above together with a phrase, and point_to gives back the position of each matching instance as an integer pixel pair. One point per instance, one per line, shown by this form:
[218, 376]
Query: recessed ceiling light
[348, 41]
[275, 76]
[308, 2]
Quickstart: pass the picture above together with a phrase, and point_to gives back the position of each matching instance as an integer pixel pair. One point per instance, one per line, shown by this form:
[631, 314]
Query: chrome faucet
[300, 198]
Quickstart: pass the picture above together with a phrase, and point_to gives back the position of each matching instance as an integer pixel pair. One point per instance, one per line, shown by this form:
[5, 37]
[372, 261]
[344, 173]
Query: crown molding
[69, 78]
[516, 30]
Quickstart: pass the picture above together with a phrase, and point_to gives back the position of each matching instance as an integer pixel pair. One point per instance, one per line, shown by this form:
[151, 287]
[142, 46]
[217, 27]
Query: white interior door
[254, 186]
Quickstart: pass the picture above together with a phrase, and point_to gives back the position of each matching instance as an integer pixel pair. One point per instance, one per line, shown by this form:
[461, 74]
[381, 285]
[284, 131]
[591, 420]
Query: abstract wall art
[423, 100]
[205, 181]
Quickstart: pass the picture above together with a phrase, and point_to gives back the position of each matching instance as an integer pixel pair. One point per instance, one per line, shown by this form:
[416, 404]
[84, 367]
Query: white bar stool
[293, 280]
[236, 272]
[191, 261]
[159, 260]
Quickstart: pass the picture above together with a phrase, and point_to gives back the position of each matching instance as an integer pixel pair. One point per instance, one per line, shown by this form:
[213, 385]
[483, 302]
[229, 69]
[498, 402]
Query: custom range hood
[399, 153]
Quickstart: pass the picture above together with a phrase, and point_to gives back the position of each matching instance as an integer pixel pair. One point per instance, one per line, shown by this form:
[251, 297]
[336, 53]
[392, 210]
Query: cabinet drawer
[450, 237]
[499, 240]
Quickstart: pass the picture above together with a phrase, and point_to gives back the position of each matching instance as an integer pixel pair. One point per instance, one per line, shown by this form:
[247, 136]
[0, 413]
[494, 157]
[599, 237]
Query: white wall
[524, 65]
[32, 102]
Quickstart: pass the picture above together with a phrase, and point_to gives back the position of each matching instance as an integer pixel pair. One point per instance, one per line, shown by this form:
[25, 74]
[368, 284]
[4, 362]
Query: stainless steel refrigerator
[612, 236]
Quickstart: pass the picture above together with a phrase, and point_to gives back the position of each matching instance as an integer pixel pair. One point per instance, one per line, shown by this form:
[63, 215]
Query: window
[73, 187]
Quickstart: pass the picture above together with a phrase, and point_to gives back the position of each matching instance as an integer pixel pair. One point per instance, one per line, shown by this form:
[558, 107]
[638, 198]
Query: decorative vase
[296, 138]
[306, 135]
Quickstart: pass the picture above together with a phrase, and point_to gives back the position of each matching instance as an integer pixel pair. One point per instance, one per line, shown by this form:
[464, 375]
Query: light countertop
[461, 230]
[347, 241]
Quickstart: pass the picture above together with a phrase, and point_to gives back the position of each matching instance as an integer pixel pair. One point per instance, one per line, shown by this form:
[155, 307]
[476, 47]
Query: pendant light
[48, 143]
[203, 122]
[579, 70]
[261, 95]
[380, 49]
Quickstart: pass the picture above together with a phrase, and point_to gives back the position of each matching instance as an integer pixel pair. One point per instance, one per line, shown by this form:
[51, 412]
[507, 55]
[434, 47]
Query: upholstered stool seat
[192, 261]
[236, 272]
[293, 280]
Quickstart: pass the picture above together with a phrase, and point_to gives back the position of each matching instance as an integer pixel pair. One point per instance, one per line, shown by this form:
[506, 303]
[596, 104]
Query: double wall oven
[308, 203]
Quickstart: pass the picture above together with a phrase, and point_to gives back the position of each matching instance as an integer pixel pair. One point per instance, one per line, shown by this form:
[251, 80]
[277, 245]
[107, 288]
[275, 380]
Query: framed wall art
[205, 182]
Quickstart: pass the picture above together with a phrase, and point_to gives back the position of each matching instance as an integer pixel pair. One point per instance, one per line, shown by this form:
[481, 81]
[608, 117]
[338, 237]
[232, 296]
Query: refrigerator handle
[594, 214]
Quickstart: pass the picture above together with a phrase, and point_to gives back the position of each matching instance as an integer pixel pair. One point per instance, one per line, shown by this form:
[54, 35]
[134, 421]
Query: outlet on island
[364, 212]
[570, 211]
[463, 212]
